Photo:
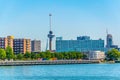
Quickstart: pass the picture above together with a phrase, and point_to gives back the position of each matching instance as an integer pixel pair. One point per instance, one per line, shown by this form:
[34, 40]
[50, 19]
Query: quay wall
[47, 62]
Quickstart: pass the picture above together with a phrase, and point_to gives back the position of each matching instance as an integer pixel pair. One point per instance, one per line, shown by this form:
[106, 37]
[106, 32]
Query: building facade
[96, 55]
[21, 45]
[6, 41]
[109, 40]
[28, 45]
[18, 45]
[35, 45]
[109, 44]
[10, 41]
[3, 42]
[82, 44]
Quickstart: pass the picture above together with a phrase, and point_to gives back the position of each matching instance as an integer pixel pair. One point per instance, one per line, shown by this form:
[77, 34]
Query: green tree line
[9, 54]
[50, 55]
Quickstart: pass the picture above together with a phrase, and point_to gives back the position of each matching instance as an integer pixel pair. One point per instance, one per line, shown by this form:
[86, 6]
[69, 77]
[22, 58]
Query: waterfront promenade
[47, 62]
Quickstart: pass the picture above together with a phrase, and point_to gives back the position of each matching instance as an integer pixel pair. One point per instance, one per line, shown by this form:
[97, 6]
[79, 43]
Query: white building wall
[95, 55]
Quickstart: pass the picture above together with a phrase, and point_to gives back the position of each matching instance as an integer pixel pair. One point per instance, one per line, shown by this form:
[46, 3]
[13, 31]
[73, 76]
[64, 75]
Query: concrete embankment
[47, 62]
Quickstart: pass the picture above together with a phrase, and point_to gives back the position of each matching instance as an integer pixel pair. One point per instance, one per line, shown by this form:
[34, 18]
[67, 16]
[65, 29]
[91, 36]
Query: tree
[9, 53]
[113, 54]
[43, 55]
[2, 54]
[52, 55]
[48, 54]
[66, 56]
[84, 56]
[33, 55]
[73, 55]
[27, 55]
[20, 56]
[14, 57]
[60, 56]
[79, 55]
[38, 55]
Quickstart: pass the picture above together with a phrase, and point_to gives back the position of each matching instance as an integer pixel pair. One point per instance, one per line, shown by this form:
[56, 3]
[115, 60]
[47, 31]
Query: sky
[70, 18]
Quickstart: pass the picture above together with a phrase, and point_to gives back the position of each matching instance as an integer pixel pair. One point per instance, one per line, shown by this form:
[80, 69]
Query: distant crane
[50, 35]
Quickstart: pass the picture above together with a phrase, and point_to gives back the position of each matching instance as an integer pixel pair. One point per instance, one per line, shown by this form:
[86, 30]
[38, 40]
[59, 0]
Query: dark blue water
[61, 72]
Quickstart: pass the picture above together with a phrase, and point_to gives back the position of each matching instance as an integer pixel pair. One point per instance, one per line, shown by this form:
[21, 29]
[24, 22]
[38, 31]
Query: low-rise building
[96, 55]
[82, 44]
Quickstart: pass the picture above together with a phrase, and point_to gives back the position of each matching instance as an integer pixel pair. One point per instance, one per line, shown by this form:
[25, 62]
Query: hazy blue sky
[71, 18]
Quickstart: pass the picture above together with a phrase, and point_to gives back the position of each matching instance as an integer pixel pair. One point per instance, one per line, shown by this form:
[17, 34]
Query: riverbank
[47, 62]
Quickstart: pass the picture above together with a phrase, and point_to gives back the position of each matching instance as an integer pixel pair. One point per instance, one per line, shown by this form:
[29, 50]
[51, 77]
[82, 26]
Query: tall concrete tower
[50, 35]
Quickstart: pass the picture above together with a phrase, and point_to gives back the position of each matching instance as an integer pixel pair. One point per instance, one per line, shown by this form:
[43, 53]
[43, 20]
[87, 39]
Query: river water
[61, 72]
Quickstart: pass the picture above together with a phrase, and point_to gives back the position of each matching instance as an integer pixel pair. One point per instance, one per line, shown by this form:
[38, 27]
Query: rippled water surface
[61, 72]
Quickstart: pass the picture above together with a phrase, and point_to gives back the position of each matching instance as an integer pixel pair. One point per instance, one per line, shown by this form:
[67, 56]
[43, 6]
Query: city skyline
[71, 18]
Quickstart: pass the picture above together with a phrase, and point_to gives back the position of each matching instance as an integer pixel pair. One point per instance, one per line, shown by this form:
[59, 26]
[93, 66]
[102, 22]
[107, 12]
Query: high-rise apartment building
[28, 45]
[82, 44]
[22, 45]
[36, 45]
[10, 41]
[4, 42]
[19, 46]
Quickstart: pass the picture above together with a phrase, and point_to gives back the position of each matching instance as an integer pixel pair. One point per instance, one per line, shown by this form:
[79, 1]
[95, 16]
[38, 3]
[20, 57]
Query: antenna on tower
[50, 21]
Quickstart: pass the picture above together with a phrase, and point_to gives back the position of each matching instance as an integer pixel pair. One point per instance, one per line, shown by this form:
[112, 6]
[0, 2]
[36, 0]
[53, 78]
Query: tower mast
[50, 15]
